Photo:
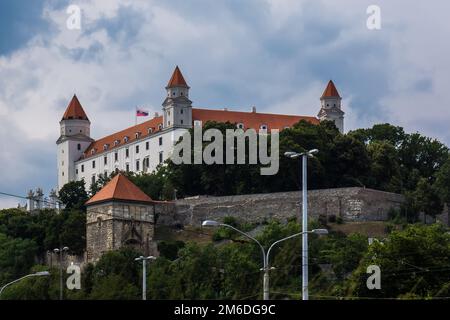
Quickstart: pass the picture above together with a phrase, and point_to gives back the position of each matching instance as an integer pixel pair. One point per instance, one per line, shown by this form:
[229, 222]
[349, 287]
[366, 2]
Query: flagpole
[135, 116]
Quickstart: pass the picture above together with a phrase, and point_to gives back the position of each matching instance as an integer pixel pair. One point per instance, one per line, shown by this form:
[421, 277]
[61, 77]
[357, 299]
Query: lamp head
[320, 231]
[42, 273]
[210, 223]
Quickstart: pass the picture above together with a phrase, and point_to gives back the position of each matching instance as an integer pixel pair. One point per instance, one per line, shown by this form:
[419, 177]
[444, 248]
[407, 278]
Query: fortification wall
[351, 204]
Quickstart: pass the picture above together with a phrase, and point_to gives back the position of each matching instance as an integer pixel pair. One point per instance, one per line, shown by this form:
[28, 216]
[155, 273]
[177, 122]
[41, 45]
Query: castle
[141, 148]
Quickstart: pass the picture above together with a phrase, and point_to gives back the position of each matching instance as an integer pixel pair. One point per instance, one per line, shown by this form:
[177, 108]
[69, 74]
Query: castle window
[160, 126]
[116, 156]
[116, 142]
[126, 139]
[105, 147]
[99, 222]
[161, 157]
[168, 123]
[335, 104]
[137, 135]
[63, 173]
[93, 164]
[93, 179]
[181, 93]
[328, 105]
[105, 160]
[127, 167]
[147, 145]
[76, 171]
[78, 146]
[197, 123]
[82, 168]
[181, 111]
[150, 130]
[263, 127]
[168, 113]
[240, 126]
[127, 153]
[137, 165]
[137, 149]
[92, 151]
[181, 121]
[160, 141]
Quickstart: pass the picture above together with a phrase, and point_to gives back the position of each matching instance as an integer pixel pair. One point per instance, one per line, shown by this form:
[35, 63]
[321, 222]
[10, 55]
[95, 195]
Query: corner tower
[74, 139]
[331, 106]
[120, 215]
[177, 107]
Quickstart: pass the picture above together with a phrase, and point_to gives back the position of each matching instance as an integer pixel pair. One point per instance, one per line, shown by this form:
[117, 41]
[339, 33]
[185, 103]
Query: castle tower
[73, 140]
[331, 107]
[177, 107]
[120, 215]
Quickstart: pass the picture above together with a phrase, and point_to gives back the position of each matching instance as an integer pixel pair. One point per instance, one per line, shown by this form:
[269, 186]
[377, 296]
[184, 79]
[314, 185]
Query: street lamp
[144, 274]
[37, 274]
[266, 268]
[60, 251]
[304, 155]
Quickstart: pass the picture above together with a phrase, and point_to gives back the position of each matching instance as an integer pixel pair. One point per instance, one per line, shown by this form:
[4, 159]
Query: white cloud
[278, 56]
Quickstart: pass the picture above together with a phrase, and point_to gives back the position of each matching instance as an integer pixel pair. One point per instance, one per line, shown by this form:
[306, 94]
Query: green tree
[426, 199]
[442, 184]
[73, 195]
[413, 262]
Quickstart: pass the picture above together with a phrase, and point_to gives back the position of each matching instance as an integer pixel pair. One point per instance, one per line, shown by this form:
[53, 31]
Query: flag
[141, 113]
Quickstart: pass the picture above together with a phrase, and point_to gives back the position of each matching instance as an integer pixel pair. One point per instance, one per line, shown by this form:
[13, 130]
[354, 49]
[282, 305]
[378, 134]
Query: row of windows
[238, 125]
[146, 163]
[126, 139]
[127, 154]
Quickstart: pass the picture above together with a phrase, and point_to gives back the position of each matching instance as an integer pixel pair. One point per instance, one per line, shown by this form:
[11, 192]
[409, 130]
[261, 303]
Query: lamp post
[144, 274]
[60, 251]
[37, 274]
[266, 265]
[304, 155]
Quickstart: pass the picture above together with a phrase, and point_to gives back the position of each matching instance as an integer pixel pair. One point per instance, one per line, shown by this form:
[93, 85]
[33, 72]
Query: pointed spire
[177, 79]
[330, 91]
[74, 110]
[120, 188]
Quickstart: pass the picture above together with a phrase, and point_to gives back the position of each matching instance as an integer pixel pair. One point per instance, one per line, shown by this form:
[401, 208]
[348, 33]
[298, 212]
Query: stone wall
[113, 225]
[351, 204]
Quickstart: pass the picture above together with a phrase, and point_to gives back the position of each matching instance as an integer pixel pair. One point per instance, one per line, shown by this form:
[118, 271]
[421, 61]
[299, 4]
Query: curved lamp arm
[251, 238]
[37, 274]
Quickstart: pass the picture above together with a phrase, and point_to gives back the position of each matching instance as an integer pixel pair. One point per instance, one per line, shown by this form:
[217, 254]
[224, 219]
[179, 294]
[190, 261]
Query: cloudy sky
[276, 55]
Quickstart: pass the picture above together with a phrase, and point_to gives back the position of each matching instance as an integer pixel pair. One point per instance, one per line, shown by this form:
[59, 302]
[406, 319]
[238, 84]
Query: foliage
[413, 262]
[73, 195]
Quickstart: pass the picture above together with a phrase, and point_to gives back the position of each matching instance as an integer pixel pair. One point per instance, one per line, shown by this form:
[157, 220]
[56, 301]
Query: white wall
[170, 137]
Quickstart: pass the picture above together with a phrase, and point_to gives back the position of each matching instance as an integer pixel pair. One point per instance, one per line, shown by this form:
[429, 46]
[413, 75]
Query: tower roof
[74, 110]
[330, 91]
[120, 188]
[177, 79]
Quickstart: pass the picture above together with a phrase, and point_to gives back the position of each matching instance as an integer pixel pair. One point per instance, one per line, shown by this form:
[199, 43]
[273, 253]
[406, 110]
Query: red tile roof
[142, 129]
[252, 120]
[74, 110]
[330, 91]
[120, 188]
[177, 79]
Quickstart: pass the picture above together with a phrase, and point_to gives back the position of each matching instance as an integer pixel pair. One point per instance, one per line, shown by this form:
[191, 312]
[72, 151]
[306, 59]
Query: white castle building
[141, 148]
